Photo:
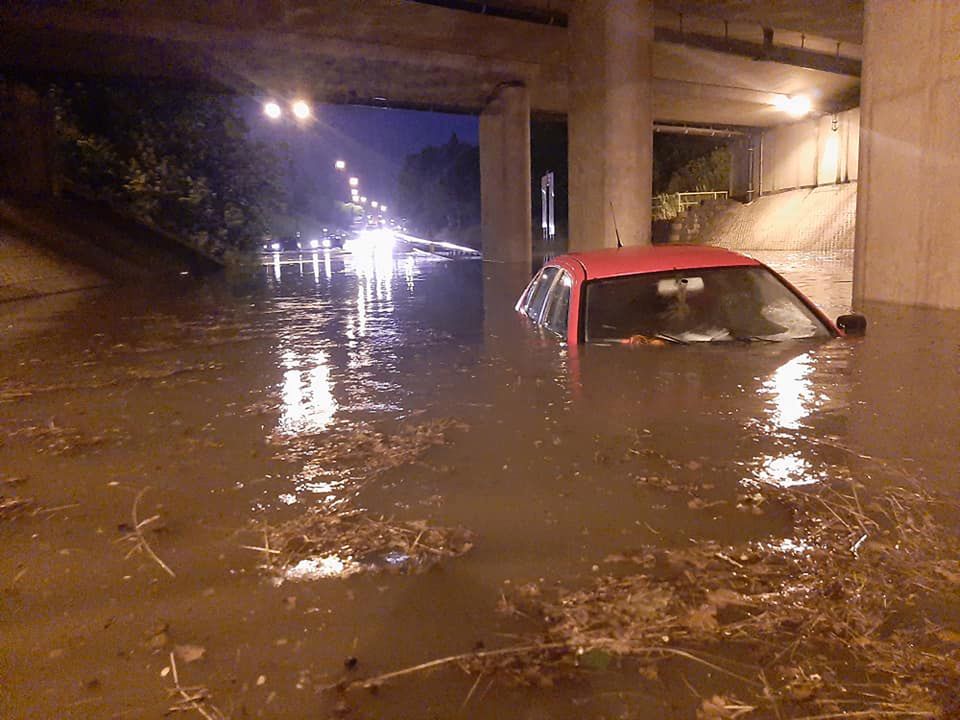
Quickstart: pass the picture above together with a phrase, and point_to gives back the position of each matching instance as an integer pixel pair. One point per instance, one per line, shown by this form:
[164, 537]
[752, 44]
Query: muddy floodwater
[236, 498]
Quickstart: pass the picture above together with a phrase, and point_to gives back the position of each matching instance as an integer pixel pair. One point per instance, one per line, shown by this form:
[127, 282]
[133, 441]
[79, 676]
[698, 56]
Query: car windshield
[708, 305]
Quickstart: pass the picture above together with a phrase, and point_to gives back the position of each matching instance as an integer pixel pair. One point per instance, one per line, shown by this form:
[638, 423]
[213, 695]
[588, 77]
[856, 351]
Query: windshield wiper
[671, 338]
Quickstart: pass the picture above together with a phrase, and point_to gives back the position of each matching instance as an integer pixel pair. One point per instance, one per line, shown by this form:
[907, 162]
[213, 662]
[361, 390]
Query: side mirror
[853, 324]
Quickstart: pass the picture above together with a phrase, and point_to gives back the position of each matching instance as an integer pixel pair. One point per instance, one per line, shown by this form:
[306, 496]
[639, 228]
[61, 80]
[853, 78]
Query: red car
[672, 294]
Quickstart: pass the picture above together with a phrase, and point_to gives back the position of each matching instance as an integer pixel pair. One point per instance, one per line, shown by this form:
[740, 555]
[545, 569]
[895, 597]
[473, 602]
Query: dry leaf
[189, 653]
[703, 618]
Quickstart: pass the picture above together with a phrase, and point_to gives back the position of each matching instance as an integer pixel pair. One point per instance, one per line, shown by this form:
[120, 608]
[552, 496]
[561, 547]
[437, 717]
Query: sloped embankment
[819, 219]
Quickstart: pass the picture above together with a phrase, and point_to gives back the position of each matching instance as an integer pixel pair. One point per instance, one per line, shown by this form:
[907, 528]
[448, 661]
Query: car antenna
[615, 228]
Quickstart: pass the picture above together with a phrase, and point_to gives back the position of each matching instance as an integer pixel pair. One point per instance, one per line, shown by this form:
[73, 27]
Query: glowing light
[374, 203]
[275, 246]
[315, 244]
[794, 105]
[340, 165]
[301, 110]
[326, 242]
[272, 110]
[383, 207]
[363, 199]
[354, 182]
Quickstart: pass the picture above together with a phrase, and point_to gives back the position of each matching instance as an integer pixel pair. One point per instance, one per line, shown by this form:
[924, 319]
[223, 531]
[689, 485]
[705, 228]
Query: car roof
[635, 260]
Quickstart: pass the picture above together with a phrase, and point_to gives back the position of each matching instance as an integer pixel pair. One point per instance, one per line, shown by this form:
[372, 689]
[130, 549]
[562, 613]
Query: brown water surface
[192, 390]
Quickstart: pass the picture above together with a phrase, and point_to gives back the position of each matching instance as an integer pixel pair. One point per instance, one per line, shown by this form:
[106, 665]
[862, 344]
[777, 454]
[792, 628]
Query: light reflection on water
[791, 392]
[309, 405]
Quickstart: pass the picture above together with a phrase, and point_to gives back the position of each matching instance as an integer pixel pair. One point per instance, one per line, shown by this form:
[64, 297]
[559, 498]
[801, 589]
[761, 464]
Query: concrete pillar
[27, 142]
[610, 122]
[505, 214]
[908, 207]
[742, 172]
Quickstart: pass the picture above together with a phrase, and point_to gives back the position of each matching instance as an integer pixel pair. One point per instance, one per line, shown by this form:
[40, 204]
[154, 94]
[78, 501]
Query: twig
[268, 550]
[192, 697]
[440, 662]
[141, 540]
[869, 713]
[523, 649]
[473, 689]
[46, 511]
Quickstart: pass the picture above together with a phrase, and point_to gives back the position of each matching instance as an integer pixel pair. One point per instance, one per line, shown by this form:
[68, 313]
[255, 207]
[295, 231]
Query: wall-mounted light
[794, 105]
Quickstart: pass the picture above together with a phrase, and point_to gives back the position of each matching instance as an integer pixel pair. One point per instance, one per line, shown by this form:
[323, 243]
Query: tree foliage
[439, 187]
[181, 161]
[707, 172]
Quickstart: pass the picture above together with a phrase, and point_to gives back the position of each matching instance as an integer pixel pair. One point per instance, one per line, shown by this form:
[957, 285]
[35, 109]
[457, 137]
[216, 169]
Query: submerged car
[672, 294]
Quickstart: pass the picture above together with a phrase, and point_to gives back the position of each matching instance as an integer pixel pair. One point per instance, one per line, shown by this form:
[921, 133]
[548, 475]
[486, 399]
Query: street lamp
[272, 110]
[363, 199]
[383, 208]
[301, 110]
[340, 165]
[374, 203]
[354, 182]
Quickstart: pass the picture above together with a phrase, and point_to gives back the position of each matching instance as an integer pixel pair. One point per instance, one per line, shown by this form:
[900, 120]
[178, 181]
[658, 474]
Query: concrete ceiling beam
[765, 51]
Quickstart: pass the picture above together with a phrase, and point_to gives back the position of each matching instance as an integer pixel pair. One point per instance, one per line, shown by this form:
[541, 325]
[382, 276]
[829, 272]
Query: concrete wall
[810, 152]
[908, 241]
[27, 270]
[27, 142]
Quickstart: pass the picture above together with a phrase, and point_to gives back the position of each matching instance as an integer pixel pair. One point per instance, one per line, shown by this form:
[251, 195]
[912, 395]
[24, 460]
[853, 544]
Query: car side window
[538, 295]
[558, 305]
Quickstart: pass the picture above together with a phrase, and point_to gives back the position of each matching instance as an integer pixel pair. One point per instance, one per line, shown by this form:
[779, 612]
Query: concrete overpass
[613, 67]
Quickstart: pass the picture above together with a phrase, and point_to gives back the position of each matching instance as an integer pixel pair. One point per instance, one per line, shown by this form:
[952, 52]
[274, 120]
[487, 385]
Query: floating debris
[194, 698]
[840, 625]
[12, 506]
[324, 544]
[133, 534]
[50, 437]
[363, 449]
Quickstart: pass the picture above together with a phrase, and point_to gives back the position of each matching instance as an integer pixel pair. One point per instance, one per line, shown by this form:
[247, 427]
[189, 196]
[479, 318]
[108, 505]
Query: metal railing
[667, 206]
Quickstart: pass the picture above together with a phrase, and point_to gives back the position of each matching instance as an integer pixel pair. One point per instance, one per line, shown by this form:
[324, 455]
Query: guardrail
[437, 247]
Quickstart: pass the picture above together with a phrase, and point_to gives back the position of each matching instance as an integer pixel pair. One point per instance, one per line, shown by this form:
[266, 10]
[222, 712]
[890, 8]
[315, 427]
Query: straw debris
[341, 541]
[855, 615]
[337, 544]
[361, 448]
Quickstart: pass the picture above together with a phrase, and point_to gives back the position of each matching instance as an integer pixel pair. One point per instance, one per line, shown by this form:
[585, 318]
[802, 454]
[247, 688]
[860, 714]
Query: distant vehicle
[327, 240]
[672, 295]
[282, 244]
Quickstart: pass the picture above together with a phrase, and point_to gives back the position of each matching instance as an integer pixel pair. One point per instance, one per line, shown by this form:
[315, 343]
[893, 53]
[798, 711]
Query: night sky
[374, 142]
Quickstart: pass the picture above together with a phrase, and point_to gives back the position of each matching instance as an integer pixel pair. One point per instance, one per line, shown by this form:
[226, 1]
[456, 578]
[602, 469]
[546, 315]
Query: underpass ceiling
[412, 54]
